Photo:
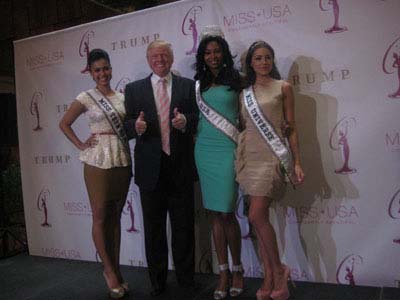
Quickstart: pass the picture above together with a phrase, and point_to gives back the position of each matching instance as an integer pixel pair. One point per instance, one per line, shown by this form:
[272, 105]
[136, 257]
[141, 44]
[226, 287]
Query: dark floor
[26, 277]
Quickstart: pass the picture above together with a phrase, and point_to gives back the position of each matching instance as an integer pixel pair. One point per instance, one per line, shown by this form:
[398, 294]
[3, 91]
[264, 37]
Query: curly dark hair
[228, 75]
[97, 54]
[251, 75]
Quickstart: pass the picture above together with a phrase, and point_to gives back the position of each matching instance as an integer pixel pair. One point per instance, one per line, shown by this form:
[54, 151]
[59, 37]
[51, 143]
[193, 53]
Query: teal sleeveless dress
[215, 152]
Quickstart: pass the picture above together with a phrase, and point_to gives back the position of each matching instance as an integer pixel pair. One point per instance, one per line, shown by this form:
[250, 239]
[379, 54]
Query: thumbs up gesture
[140, 124]
[179, 120]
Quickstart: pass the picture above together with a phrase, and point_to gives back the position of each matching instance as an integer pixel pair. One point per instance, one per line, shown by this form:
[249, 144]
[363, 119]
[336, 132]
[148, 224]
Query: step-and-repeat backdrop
[343, 59]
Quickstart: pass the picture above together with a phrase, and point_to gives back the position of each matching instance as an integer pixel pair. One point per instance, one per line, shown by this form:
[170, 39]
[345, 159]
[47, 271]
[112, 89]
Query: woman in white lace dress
[107, 164]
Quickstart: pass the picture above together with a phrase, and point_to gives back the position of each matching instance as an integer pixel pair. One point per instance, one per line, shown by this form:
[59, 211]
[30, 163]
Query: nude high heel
[283, 294]
[263, 294]
[115, 293]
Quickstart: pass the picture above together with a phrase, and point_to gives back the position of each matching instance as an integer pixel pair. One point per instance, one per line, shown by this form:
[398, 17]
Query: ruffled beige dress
[110, 152]
[257, 168]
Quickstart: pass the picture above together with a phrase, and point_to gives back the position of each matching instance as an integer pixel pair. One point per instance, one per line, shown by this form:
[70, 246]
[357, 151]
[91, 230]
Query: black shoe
[157, 291]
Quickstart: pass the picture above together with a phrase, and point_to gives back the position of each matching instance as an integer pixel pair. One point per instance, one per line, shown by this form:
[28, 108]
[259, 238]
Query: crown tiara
[211, 30]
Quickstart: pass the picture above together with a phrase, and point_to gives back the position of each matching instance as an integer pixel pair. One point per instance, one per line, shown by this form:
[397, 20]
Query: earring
[224, 65]
[204, 67]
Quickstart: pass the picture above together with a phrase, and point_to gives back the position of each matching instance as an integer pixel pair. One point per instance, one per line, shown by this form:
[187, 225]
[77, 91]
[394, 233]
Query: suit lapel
[174, 95]
[149, 94]
[151, 101]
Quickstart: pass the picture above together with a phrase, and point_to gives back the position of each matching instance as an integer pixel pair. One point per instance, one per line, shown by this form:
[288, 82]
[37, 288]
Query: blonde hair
[160, 44]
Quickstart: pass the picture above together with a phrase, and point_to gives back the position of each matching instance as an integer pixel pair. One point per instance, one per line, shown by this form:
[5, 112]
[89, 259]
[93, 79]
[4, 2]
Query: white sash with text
[267, 131]
[111, 114]
[215, 118]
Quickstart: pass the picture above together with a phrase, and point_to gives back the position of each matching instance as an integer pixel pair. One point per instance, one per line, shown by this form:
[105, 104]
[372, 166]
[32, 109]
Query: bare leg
[259, 218]
[96, 184]
[234, 240]
[220, 242]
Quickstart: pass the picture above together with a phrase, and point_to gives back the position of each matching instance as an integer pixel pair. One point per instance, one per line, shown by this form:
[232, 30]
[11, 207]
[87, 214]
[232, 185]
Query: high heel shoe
[125, 286]
[283, 293]
[263, 294]
[219, 294]
[236, 291]
[115, 293]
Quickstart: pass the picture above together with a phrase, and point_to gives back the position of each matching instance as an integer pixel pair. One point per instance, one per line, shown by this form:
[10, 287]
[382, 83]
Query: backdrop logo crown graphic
[339, 139]
[128, 210]
[84, 48]
[391, 63]
[37, 97]
[347, 268]
[394, 206]
[41, 204]
[189, 26]
[324, 6]
[120, 86]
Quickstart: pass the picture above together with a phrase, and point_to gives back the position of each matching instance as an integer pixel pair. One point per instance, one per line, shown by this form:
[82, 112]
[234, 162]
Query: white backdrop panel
[343, 59]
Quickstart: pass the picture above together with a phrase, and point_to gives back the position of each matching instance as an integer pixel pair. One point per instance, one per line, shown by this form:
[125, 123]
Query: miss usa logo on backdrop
[189, 26]
[128, 210]
[327, 5]
[84, 48]
[348, 268]
[394, 206]
[339, 141]
[34, 109]
[120, 86]
[391, 64]
[41, 204]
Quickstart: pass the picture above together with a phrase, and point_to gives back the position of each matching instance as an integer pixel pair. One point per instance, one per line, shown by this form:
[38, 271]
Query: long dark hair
[97, 54]
[228, 75]
[251, 75]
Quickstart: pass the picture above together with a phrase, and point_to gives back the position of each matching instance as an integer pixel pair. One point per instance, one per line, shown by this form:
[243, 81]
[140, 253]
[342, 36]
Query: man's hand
[140, 124]
[179, 120]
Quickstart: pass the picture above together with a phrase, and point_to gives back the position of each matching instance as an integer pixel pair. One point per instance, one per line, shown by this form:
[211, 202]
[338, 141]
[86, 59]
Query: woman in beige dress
[107, 164]
[259, 170]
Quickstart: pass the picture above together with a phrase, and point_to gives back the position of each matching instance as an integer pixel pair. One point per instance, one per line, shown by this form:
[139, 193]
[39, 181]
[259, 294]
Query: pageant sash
[111, 114]
[267, 131]
[217, 120]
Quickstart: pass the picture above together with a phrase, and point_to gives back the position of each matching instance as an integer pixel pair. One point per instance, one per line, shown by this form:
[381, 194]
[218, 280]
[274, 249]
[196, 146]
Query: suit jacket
[139, 96]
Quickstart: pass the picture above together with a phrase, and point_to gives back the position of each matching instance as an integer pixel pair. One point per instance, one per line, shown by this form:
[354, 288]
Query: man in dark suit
[162, 115]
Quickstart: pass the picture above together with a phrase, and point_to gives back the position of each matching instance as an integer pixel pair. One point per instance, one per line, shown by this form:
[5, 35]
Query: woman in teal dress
[218, 86]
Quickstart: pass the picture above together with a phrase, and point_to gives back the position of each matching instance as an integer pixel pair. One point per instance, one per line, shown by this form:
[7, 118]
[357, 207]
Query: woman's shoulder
[83, 97]
[283, 83]
[286, 87]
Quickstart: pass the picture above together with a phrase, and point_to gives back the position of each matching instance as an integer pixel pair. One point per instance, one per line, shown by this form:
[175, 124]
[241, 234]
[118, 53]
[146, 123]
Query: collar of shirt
[154, 80]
